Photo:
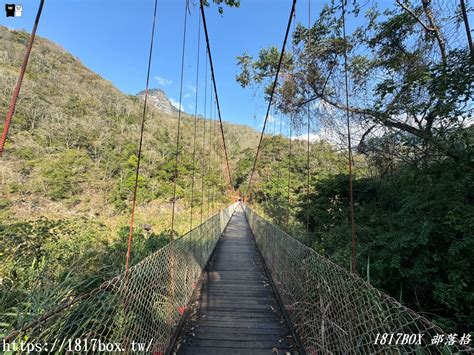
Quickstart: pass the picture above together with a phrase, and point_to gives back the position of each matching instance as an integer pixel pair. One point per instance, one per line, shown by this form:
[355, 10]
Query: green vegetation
[46, 261]
[414, 233]
[411, 104]
[67, 176]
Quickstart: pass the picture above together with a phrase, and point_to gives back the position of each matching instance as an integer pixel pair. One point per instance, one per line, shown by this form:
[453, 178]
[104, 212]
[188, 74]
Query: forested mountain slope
[67, 174]
[74, 137]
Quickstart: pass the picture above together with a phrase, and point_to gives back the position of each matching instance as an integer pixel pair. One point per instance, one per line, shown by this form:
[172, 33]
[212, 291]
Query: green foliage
[411, 73]
[409, 77]
[230, 3]
[414, 230]
[46, 261]
[68, 175]
[60, 175]
[54, 242]
[144, 244]
[274, 169]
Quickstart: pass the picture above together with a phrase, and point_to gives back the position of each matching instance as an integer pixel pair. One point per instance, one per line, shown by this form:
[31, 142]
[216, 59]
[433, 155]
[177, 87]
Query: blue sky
[111, 37]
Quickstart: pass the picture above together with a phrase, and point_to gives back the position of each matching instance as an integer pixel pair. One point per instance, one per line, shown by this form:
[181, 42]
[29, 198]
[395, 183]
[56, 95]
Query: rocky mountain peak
[158, 99]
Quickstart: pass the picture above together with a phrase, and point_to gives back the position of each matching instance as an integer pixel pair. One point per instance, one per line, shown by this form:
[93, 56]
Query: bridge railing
[134, 312]
[335, 311]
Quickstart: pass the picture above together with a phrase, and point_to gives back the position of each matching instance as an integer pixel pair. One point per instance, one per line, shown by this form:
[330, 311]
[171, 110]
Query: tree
[410, 69]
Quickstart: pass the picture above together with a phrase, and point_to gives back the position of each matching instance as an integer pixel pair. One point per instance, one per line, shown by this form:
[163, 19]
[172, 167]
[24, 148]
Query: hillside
[67, 174]
[74, 137]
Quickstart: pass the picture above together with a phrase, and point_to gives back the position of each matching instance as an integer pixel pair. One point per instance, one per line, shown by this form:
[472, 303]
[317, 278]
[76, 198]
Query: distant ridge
[157, 98]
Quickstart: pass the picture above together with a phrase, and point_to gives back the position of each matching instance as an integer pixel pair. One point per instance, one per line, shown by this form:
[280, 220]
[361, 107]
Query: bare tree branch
[431, 29]
[412, 13]
[435, 30]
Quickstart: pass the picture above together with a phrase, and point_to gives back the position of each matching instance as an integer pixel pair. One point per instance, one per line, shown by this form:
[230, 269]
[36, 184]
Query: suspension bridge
[235, 284]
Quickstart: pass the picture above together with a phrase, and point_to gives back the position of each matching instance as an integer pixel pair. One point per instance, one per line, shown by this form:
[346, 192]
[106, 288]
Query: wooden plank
[241, 315]
[220, 330]
[237, 312]
[221, 351]
[238, 301]
[233, 318]
[235, 307]
[245, 344]
[239, 337]
[252, 323]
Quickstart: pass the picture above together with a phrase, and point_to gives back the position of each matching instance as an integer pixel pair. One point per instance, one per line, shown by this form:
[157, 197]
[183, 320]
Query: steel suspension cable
[270, 101]
[209, 160]
[195, 122]
[215, 91]
[349, 143]
[203, 158]
[281, 135]
[308, 133]
[217, 165]
[176, 172]
[212, 143]
[16, 90]
[466, 25]
[220, 161]
[140, 145]
[289, 176]
[290, 120]
[212, 159]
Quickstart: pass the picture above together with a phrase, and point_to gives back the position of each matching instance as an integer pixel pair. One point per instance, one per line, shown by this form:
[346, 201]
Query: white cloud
[175, 104]
[313, 137]
[187, 96]
[162, 81]
[326, 134]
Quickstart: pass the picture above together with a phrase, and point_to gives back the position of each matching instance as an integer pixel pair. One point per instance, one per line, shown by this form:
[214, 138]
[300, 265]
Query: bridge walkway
[237, 311]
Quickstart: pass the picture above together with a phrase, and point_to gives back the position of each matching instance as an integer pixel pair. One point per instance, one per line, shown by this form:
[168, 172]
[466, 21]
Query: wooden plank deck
[237, 312]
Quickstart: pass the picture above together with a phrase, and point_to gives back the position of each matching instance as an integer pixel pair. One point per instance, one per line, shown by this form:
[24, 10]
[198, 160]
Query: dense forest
[68, 170]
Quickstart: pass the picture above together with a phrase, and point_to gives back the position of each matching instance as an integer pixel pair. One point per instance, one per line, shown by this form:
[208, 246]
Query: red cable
[180, 110]
[16, 91]
[142, 128]
[203, 15]
[195, 122]
[249, 188]
[349, 144]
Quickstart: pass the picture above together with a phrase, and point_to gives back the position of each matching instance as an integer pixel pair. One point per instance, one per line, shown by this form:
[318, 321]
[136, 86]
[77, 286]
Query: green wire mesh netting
[334, 311]
[138, 311]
